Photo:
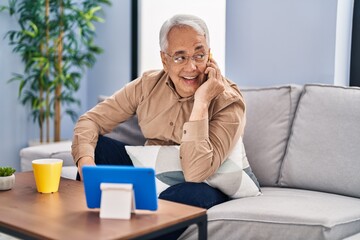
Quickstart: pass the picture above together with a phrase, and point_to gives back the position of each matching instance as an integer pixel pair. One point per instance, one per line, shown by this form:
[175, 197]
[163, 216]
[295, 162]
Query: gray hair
[182, 20]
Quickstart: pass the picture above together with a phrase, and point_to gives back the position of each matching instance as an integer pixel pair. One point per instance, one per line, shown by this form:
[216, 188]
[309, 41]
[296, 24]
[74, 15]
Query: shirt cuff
[195, 130]
[82, 151]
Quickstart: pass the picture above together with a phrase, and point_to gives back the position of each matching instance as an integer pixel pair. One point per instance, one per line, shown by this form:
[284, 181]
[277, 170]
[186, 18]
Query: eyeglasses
[180, 59]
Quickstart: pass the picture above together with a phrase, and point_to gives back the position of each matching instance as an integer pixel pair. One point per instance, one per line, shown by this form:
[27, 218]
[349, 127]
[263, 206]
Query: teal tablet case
[143, 180]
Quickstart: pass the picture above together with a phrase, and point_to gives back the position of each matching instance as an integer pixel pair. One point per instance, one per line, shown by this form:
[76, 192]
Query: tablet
[142, 179]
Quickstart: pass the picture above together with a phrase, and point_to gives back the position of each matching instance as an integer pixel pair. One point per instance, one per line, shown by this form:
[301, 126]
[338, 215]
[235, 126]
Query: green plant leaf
[6, 171]
[36, 40]
[3, 8]
[34, 28]
[91, 26]
[93, 10]
[98, 19]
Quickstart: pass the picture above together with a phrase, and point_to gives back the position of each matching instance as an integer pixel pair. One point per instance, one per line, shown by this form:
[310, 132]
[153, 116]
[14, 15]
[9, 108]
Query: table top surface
[65, 215]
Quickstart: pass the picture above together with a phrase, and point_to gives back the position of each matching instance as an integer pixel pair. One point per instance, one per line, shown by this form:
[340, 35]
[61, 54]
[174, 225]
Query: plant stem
[57, 106]
[47, 105]
[41, 113]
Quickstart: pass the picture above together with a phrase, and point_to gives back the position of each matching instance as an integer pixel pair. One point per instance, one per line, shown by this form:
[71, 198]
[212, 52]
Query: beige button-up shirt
[164, 120]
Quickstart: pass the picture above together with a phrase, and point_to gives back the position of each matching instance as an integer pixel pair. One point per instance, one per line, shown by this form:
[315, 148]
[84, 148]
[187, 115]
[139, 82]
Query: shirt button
[184, 131]
[171, 123]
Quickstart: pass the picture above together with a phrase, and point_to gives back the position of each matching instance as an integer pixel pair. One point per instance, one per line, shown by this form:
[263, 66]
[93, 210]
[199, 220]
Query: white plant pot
[7, 182]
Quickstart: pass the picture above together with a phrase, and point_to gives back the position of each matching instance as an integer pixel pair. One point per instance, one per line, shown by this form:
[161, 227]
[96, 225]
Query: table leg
[201, 223]
[202, 228]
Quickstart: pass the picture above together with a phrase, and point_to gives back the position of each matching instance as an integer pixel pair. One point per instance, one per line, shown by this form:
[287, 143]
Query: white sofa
[302, 143]
[59, 150]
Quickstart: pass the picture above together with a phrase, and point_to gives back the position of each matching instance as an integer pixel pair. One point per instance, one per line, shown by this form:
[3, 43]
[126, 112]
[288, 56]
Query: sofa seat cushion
[269, 116]
[323, 150]
[284, 213]
[353, 237]
[69, 172]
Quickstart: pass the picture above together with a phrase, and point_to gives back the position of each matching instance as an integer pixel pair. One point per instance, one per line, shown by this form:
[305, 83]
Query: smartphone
[210, 57]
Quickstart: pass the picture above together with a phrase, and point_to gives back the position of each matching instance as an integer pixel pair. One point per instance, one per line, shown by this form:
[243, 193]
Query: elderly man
[187, 103]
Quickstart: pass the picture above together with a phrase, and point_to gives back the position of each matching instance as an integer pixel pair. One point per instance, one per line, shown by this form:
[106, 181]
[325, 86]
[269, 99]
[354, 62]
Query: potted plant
[7, 178]
[55, 40]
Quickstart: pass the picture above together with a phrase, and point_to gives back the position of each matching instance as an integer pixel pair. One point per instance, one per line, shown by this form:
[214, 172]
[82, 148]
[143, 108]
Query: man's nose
[190, 65]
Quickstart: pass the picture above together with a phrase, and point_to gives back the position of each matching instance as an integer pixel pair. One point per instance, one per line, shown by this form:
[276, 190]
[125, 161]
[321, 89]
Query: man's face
[189, 75]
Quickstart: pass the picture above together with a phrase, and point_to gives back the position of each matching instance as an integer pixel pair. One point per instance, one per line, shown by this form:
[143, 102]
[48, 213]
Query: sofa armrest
[61, 150]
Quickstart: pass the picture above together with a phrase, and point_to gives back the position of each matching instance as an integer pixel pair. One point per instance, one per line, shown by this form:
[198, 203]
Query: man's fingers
[211, 73]
[213, 70]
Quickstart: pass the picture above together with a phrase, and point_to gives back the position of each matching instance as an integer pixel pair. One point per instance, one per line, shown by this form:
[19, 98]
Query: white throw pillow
[234, 177]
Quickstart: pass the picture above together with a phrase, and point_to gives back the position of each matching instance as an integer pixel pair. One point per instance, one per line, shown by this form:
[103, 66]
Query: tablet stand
[117, 200]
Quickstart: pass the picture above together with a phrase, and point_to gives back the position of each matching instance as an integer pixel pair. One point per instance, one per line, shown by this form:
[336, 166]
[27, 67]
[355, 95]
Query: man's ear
[163, 60]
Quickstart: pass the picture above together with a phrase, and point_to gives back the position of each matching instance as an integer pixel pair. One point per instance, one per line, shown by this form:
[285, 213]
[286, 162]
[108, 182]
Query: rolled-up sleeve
[103, 118]
[205, 144]
[84, 139]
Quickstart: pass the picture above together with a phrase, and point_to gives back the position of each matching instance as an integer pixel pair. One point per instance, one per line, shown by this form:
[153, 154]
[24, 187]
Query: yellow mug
[47, 173]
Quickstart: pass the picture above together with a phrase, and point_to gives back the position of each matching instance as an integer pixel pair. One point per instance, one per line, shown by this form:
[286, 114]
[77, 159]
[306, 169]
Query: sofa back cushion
[269, 113]
[323, 150]
[128, 132]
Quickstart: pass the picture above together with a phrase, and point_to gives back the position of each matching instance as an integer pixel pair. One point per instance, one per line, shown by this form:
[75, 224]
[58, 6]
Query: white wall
[14, 130]
[285, 41]
[152, 15]
[113, 68]
[345, 9]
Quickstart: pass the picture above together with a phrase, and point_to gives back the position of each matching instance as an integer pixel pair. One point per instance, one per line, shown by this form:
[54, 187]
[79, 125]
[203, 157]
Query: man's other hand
[85, 161]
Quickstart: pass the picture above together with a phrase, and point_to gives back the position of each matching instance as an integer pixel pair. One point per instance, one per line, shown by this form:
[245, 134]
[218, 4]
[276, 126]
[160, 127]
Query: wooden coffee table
[25, 213]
